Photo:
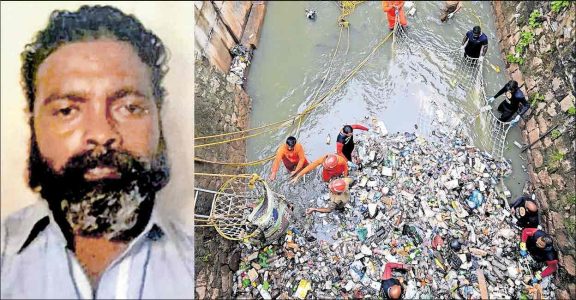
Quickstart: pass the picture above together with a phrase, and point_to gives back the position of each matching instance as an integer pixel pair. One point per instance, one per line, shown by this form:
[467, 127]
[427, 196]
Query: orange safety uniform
[341, 168]
[390, 8]
[293, 160]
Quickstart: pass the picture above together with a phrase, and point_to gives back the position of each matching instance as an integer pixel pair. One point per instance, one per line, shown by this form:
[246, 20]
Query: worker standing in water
[292, 155]
[475, 44]
[345, 140]
[450, 8]
[333, 166]
[393, 9]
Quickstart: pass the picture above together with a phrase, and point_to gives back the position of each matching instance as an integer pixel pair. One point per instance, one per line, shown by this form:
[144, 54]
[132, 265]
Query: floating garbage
[439, 207]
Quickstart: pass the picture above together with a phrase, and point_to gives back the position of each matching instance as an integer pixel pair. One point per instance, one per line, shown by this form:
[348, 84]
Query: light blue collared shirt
[35, 262]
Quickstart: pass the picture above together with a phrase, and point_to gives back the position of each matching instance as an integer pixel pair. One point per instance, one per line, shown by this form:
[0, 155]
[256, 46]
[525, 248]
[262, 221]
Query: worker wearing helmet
[393, 9]
[292, 155]
[333, 166]
[339, 196]
[345, 140]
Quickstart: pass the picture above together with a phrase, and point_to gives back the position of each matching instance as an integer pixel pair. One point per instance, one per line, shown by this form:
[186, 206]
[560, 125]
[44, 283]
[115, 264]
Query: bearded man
[92, 79]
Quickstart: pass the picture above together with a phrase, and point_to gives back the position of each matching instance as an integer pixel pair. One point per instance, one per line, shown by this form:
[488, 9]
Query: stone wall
[219, 107]
[545, 69]
[220, 25]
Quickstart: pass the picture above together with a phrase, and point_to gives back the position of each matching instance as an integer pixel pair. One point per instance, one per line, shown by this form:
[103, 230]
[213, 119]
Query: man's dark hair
[547, 239]
[512, 85]
[89, 23]
[347, 129]
[291, 141]
[476, 30]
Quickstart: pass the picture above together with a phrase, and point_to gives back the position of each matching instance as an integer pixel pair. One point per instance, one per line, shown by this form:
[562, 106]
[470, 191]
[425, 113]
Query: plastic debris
[242, 58]
[411, 205]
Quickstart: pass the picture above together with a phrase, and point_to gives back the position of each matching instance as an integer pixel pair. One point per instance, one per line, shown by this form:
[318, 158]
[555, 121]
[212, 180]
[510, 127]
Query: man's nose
[102, 134]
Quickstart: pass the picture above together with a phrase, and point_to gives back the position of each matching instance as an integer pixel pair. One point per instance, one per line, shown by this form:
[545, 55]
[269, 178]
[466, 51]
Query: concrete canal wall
[220, 107]
[543, 37]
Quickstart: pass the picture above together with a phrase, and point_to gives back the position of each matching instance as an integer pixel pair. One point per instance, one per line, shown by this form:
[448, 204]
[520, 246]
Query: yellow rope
[347, 8]
[333, 90]
[242, 131]
[223, 175]
[243, 164]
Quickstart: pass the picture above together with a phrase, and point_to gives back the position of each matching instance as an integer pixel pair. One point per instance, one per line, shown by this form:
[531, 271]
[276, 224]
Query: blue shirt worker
[475, 43]
[515, 102]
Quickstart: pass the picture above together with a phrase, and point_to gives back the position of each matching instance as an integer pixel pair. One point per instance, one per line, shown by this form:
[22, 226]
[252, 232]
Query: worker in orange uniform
[339, 196]
[292, 155]
[333, 166]
[393, 8]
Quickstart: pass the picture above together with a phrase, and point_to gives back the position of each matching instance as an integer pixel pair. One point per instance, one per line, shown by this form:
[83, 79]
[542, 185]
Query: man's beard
[117, 209]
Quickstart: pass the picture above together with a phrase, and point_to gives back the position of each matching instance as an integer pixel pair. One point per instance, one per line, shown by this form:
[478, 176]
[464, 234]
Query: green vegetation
[511, 58]
[205, 258]
[559, 5]
[526, 37]
[555, 134]
[556, 156]
[534, 20]
[571, 111]
[570, 225]
[572, 199]
[536, 98]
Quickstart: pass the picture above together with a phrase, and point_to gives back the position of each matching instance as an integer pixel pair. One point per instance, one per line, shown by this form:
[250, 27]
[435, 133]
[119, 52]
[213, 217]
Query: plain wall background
[173, 22]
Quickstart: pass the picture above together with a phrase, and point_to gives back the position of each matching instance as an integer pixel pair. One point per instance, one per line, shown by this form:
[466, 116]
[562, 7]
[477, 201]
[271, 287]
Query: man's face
[540, 243]
[96, 133]
[94, 95]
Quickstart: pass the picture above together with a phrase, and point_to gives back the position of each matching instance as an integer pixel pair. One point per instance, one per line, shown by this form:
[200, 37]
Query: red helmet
[338, 186]
[330, 162]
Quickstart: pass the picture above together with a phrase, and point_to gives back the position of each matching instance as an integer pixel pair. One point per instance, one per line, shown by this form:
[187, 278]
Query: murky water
[293, 57]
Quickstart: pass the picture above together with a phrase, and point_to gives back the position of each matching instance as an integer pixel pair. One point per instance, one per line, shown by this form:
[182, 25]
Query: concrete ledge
[251, 35]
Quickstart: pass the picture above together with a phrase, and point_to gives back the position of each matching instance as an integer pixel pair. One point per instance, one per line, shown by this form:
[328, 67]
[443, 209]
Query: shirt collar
[39, 217]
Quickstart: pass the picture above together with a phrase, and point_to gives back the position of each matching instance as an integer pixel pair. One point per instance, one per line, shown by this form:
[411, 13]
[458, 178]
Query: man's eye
[134, 109]
[65, 111]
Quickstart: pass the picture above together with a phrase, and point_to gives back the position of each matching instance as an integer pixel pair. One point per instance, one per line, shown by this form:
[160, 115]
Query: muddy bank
[537, 40]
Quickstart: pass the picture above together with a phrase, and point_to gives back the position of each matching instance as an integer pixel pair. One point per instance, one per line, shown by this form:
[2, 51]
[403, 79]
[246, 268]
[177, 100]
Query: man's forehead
[101, 58]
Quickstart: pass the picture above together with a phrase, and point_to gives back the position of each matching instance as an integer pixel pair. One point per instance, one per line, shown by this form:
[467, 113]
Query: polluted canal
[424, 195]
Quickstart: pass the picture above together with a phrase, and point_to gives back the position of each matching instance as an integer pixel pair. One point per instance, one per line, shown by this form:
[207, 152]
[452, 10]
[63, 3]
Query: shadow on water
[294, 55]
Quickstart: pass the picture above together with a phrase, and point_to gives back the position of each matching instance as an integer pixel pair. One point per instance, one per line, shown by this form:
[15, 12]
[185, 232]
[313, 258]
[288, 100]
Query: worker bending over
[292, 155]
[540, 246]
[391, 288]
[450, 8]
[345, 140]
[515, 102]
[339, 196]
[526, 211]
[333, 166]
[393, 9]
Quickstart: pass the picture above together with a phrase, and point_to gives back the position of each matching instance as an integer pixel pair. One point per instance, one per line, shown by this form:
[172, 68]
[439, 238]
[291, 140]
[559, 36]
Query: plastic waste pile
[242, 57]
[439, 207]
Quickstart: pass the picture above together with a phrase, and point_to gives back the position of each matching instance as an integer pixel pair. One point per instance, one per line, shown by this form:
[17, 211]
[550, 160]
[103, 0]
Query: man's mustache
[122, 161]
